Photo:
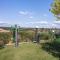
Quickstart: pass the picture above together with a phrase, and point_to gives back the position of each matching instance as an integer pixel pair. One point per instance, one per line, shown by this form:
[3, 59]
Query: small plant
[5, 37]
[1, 44]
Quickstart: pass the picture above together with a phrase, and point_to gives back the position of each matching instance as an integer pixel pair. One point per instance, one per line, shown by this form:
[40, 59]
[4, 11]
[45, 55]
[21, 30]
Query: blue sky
[26, 12]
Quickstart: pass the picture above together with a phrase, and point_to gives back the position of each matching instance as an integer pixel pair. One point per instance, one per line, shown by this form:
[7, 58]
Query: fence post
[36, 33]
[16, 37]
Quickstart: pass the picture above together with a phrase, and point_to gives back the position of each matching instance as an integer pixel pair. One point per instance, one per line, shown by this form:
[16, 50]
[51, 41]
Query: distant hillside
[3, 30]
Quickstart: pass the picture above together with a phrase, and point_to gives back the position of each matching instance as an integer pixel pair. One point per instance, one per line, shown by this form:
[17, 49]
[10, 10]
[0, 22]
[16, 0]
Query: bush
[44, 36]
[5, 37]
[27, 35]
[57, 40]
[1, 44]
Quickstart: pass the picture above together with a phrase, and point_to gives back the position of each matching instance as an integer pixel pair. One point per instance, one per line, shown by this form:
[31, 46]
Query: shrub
[26, 35]
[1, 44]
[44, 36]
[5, 37]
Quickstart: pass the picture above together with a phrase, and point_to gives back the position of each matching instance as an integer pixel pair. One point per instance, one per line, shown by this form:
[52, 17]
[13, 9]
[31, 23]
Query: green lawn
[26, 51]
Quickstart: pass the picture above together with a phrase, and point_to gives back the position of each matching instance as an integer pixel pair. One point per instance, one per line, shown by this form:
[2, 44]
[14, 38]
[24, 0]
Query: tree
[55, 8]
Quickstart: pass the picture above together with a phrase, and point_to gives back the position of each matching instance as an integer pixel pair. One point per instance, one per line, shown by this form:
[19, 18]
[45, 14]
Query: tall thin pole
[36, 31]
[16, 35]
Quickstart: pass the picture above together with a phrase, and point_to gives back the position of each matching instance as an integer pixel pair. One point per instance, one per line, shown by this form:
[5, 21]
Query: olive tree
[55, 8]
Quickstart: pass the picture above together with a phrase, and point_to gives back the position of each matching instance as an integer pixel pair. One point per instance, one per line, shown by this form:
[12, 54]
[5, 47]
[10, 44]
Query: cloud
[3, 22]
[41, 22]
[44, 22]
[31, 17]
[57, 22]
[53, 25]
[25, 13]
[45, 15]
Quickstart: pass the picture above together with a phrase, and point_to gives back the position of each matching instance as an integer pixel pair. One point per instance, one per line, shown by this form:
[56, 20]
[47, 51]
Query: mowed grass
[26, 51]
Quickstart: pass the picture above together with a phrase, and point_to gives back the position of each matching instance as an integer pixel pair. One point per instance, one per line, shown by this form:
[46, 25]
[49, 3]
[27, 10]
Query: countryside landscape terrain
[28, 49]
[29, 29]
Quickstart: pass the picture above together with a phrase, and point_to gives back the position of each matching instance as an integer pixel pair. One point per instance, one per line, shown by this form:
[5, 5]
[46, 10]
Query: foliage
[45, 36]
[26, 35]
[6, 37]
[1, 44]
[52, 35]
[55, 8]
[57, 40]
[29, 35]
[52, 48]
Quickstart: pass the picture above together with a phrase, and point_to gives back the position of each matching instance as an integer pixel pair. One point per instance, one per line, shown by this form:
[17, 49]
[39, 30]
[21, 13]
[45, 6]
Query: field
[25, 51]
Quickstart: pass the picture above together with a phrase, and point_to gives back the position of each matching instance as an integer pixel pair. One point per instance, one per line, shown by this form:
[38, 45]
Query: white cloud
[37, 26]
[54, 25]
[45, 15]
[2, 22]
[31, 17]
[57, 22]
[25, 13]
[41, 22]
[44, 22]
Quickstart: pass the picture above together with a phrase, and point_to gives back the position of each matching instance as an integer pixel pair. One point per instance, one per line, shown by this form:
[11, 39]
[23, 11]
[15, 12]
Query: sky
[27, 13]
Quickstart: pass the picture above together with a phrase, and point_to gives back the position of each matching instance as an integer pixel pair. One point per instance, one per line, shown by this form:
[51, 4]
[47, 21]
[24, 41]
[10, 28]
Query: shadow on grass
[52, 48]
[1, 47]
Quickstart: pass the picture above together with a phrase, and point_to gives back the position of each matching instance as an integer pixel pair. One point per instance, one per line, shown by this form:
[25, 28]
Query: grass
[26, 51]
[57, 40]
